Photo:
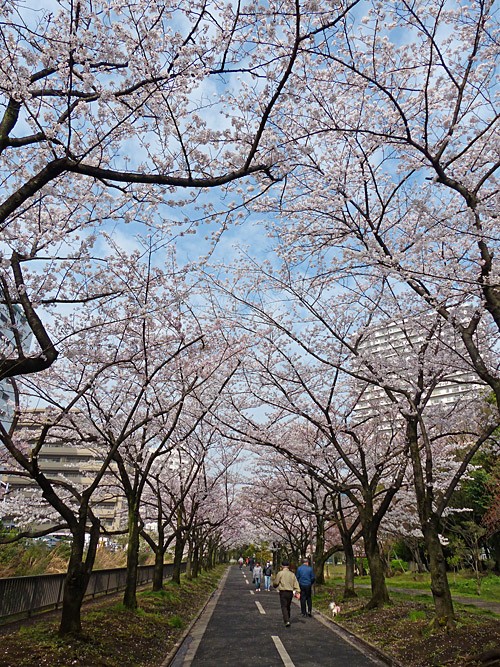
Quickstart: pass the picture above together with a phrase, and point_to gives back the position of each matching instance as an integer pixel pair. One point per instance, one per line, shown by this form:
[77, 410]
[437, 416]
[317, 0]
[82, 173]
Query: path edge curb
[173, 651]
[355, 639]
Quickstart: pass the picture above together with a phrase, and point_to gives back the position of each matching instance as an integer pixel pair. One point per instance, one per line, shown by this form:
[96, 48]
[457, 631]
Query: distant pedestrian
[257, 576]
[286, 583]
[306, 579]
[267, 570]
[251, 563]
[240, 562]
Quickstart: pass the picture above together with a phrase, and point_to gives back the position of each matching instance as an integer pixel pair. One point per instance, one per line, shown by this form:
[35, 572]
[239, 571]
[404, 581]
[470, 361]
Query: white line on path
[252, 592]
[287, 661]
[260, 607]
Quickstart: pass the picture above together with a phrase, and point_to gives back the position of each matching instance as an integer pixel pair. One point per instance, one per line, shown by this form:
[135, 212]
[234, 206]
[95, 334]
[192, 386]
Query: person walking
[268, 571]
[286, 583]
[257, 576]
[240, 562]
[306, 579]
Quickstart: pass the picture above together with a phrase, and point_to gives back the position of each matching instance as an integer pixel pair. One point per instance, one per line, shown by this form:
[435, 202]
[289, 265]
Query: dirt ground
[405, 632]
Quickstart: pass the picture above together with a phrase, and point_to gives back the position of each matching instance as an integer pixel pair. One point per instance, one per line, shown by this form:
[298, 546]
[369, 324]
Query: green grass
[416, 615]
[461, 584]
[176, 622]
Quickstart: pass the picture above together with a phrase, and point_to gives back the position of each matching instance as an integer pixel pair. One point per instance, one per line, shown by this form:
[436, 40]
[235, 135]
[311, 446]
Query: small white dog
[334, 608]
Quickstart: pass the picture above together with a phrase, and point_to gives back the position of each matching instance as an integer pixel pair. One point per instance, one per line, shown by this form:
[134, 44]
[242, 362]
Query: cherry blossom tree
[402, 524]
[295, 508]
[153, 405]
[109, 110]
[106, 392]
[168, 484]
[275, 508]
[399, 172]
[421, 355]
[307, 421]
[57, 500]
[201, 517]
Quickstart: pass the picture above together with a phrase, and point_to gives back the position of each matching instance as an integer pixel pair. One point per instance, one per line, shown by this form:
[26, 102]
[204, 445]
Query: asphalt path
[244, 628]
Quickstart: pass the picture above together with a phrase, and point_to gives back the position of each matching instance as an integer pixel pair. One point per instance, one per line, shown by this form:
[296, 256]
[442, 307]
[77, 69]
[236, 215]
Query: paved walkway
[242, 628]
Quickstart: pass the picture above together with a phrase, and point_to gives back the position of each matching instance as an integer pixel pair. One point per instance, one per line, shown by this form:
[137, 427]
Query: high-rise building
[395, 342]
[7, 346]
[66, 457]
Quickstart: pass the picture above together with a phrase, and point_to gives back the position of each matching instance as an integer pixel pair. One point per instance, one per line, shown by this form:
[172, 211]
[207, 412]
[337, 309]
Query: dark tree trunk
[445, 615]
[196, 560]
[380, 594]
[159, 551]
[75, 585]
[495, 551]
[429, 521]
[418, 559]
[189, 562]
[319, 569]
[130, 594]
[210, 558]
[178, 553]
[320, 556]
[158, 569]
[350, 564]
[77, 579]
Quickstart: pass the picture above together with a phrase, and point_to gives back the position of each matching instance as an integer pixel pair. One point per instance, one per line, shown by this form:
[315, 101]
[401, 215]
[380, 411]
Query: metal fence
[24, 596]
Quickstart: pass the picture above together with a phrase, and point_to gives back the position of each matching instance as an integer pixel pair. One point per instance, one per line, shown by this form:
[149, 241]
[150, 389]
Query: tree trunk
[429, 521]
[196, 561]
[319, 569]
[417, 558]
[319, 553]
[178, 553]
[495, 551]
[445, 615]
[77, 579]
[350, 563]
[75, 585]
[158, 569]
[130, 594]
[380, 594]
[210, 560]
[159, 552]
[189, 562]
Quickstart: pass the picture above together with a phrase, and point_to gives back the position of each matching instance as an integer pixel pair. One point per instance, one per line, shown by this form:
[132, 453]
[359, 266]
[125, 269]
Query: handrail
[24, 596]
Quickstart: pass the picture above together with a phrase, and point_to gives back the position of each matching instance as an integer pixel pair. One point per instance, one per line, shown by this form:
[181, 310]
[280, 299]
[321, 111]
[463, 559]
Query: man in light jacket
[286, 583]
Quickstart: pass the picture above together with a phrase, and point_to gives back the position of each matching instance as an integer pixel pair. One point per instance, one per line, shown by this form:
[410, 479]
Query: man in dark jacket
[268, 570]
[251, 563]
[305, 577]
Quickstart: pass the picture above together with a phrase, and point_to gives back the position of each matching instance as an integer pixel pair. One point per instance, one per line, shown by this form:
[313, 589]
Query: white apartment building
[7, 346]
[73, 461]
[394, 339]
